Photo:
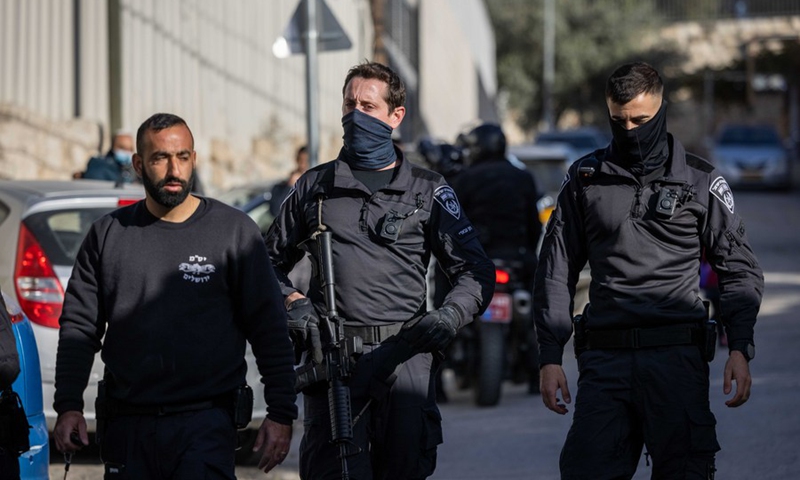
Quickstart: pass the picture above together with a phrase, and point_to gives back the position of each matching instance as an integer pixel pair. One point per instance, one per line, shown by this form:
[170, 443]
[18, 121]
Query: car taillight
[501, 276]
[38, 289]
[16, 316]
[124, 202]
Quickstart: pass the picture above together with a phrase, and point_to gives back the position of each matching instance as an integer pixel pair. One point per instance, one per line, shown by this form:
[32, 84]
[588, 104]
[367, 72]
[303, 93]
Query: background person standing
[116, 165]
[640, 212]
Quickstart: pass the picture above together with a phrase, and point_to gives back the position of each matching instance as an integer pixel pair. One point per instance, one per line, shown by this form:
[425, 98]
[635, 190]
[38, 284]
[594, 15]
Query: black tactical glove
[304, 329]
[434, 330]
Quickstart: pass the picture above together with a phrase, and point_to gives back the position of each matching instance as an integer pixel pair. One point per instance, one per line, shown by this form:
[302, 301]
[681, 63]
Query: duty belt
[117, 408]
[311, 373]
[373, 334]
[636, 338]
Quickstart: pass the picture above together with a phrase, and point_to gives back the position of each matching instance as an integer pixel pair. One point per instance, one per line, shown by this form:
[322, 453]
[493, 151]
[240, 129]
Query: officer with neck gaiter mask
[640, 213]
[387, 217]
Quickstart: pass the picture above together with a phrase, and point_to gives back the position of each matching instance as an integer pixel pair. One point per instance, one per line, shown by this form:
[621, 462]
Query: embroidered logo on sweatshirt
[195, 272]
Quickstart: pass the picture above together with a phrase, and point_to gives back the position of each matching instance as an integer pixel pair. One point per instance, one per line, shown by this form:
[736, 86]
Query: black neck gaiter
[643, 149]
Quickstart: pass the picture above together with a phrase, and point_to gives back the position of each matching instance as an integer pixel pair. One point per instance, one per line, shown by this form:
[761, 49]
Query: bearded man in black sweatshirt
[171, 288]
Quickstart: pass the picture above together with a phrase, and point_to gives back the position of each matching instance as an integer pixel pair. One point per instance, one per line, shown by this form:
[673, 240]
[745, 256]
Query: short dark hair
[631, 80]
[156, 123]
[396, 96]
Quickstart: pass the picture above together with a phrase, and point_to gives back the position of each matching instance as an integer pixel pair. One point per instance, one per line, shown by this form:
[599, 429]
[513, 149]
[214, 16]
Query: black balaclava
[367, 142]
[643, 149]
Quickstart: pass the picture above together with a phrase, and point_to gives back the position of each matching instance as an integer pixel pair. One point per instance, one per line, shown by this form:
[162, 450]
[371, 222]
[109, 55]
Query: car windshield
[577, 141]
[549, 175]
[61, 232]
[749, 136]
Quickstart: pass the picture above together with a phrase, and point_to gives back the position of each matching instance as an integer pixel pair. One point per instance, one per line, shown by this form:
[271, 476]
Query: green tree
[592, 37]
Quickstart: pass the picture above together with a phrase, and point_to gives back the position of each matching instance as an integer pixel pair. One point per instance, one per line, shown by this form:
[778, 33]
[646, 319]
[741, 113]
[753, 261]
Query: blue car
[35, 462]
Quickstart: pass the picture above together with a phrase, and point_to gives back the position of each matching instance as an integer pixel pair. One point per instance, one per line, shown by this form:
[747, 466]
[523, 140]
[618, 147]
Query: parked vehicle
[548, 164]
[500, 344]
[752, 155]
[583, 140]
[42, 225]
[35, 462]
[243, 194]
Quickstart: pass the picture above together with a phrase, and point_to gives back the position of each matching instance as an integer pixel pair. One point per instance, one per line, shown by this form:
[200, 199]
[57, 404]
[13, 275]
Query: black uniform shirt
[173, 304]
[380, 281]
[644, 269]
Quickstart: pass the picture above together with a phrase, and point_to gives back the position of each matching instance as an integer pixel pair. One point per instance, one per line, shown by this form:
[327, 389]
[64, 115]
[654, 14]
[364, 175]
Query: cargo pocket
[431, 438]
[703, 435]
[114, 448]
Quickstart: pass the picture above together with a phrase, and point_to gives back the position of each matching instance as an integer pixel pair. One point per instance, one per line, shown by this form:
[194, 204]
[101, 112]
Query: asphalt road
[521, 439]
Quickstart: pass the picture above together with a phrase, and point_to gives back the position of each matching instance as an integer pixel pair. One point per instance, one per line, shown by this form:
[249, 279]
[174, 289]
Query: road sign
[331, 35]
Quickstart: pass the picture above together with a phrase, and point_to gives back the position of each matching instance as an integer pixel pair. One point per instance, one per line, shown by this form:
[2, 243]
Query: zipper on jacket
[362, 218]
[637, 203]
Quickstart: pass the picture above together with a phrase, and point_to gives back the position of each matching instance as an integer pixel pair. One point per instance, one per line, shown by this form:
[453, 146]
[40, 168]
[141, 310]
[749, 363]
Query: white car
[42, 226]
[752, 155]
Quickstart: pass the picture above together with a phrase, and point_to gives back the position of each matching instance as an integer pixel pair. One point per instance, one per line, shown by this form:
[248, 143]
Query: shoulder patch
[720, 189]
[446, 197]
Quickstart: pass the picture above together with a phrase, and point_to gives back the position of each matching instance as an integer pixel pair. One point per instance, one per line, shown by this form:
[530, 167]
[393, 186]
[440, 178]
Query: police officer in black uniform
[500, 199]
[387, 217]
[640, 212]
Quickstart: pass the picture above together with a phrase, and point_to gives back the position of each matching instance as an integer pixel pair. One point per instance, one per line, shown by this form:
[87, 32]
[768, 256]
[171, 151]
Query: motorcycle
[500, 344]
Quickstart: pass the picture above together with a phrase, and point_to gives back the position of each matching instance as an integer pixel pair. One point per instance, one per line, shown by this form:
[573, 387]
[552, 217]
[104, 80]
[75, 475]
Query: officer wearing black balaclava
[643, 149]
[387, 217]
[640, 213]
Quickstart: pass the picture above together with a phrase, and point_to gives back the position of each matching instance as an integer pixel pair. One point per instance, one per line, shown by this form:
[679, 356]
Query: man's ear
[137, 164]
[396, 117]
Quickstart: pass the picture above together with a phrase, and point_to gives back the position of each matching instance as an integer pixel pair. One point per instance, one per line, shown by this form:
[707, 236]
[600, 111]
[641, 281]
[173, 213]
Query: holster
[243, 406]
[579, 334]
[100, 412]
[14, 426]
[709, 345]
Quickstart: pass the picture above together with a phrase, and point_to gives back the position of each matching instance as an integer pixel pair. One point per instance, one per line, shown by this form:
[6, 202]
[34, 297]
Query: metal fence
[682, 10]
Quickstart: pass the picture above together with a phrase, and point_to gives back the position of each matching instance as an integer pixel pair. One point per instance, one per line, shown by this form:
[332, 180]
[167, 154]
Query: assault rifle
[339, 352]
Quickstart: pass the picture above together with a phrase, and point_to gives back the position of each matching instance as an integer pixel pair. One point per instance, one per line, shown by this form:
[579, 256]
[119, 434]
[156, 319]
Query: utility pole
[549, 63]
[312, 74]
[114, 67]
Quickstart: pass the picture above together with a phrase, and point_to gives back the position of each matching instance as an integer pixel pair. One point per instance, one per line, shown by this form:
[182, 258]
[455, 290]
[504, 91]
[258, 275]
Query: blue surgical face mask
[367, 142]
[123, 157]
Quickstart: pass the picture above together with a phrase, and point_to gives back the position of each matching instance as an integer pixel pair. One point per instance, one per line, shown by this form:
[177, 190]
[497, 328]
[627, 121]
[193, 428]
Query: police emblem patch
[447, 199]
[721, 190]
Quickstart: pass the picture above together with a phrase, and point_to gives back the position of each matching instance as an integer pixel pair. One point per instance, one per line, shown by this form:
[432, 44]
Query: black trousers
[654, 397]
[191, 445]
[397, 436]
[9, 464]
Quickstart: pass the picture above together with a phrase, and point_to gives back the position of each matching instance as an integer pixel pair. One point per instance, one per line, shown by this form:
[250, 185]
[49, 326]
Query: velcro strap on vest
[636, 338]
[373, 334]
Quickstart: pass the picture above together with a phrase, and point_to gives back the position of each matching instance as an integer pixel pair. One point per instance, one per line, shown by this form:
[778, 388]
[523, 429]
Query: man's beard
[163, 197]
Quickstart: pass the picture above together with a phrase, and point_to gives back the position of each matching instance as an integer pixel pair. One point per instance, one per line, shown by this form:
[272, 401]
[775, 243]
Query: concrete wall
[456, 57]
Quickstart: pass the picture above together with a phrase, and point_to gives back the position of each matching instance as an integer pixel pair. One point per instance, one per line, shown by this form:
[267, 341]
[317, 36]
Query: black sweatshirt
[173, 304]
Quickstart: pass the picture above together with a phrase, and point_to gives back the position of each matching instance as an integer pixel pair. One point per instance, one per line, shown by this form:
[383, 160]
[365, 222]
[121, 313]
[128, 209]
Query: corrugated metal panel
[36, 56]
[211, 62]
[93, 88]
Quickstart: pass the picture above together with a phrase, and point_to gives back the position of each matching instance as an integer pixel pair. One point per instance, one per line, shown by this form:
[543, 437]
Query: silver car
[42, 226]
[752, 155]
